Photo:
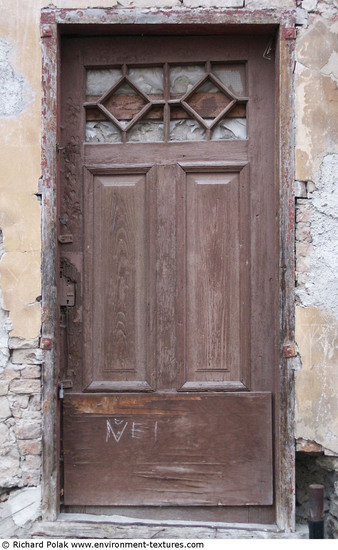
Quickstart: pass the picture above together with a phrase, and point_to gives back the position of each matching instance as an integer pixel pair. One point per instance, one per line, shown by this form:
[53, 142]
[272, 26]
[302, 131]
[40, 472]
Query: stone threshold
[122, 527]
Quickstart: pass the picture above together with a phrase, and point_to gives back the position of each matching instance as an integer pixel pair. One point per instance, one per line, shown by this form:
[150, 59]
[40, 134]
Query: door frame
[55, 23]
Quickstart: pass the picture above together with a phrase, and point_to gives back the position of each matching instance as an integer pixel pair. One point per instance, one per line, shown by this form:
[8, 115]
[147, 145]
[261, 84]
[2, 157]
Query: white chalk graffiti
[117, 428]
[116, 433]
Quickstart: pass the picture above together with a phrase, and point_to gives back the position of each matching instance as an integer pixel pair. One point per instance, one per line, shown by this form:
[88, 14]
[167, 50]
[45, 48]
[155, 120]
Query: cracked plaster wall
[20, 315]
[316, 156]
[317, 225]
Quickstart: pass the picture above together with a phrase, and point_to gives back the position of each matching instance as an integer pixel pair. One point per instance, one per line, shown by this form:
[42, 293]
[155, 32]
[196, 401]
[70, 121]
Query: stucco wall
[20, 241]
[317, 228]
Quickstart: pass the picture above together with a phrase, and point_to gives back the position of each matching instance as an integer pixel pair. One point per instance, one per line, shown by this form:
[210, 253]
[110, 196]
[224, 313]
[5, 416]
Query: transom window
[172, 102]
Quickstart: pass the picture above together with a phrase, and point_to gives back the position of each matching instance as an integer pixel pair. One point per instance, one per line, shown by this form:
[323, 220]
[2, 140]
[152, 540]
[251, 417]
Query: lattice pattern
[168, 103]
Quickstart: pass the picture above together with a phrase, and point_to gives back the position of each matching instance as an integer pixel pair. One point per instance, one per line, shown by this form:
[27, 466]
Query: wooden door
[168, 240]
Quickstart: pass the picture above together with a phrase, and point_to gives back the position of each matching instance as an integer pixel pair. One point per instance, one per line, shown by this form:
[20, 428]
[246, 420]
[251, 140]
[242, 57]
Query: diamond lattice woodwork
[169, 103]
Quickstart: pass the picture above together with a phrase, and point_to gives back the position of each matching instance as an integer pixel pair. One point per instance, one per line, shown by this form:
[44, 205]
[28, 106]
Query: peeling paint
[14, 91]
[316, 97]
[321, 286]
[5, 325]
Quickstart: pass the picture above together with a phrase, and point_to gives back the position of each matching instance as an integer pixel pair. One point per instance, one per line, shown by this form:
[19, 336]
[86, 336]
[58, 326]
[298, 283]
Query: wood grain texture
[190, 260]
[106, 527]
[214, 227]
[169, 180]
[285, 389]
[117, 248]
[168, 449]
[126, 107]
[158, 153]
[49, 267]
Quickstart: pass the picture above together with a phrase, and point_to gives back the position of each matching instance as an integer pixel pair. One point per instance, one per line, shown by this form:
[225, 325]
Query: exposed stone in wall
[20, 441]
[324, 8]
[20, 414]
[20, 429]
[327, 8]
[264, 4]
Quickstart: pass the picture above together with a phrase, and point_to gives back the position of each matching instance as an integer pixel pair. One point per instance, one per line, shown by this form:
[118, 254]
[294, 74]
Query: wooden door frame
[54, 23]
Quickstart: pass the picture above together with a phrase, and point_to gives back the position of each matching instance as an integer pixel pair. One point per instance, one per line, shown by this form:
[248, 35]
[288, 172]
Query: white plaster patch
[25, 505]
[321, 288]
[309, 5]
[22, 507]
[4, 321]
[4, 353]
[13, 94]
[331, 67]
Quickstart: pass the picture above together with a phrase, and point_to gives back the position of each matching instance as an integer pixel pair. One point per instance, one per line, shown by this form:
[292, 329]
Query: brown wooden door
[168, 240]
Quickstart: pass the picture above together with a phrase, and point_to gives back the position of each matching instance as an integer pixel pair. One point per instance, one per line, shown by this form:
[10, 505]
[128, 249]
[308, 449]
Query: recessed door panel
[117, 255]
[214, 224]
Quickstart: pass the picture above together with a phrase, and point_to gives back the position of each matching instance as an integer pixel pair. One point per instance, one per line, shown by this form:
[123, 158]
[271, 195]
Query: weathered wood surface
[118, 288]
[49, 163]
[285, 405]
[126, 107]
[115, 527]
[168, 449]
[233, 151]
[213, 224]
[169, 21]
[190, 224]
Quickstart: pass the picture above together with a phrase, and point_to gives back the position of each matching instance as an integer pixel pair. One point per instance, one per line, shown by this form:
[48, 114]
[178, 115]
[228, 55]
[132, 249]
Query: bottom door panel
[168, 449]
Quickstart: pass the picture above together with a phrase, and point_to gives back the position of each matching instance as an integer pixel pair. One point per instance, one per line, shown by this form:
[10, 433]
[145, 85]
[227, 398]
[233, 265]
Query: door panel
[168, 449]
[214, 225]
[168, 224]
[117, 255]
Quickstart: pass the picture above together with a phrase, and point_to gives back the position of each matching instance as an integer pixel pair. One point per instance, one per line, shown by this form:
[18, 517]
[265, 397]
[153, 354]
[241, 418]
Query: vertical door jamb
[49, 335]
[284, 155]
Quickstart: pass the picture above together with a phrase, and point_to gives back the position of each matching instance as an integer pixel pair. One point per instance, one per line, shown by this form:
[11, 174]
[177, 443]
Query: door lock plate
[67, 292]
